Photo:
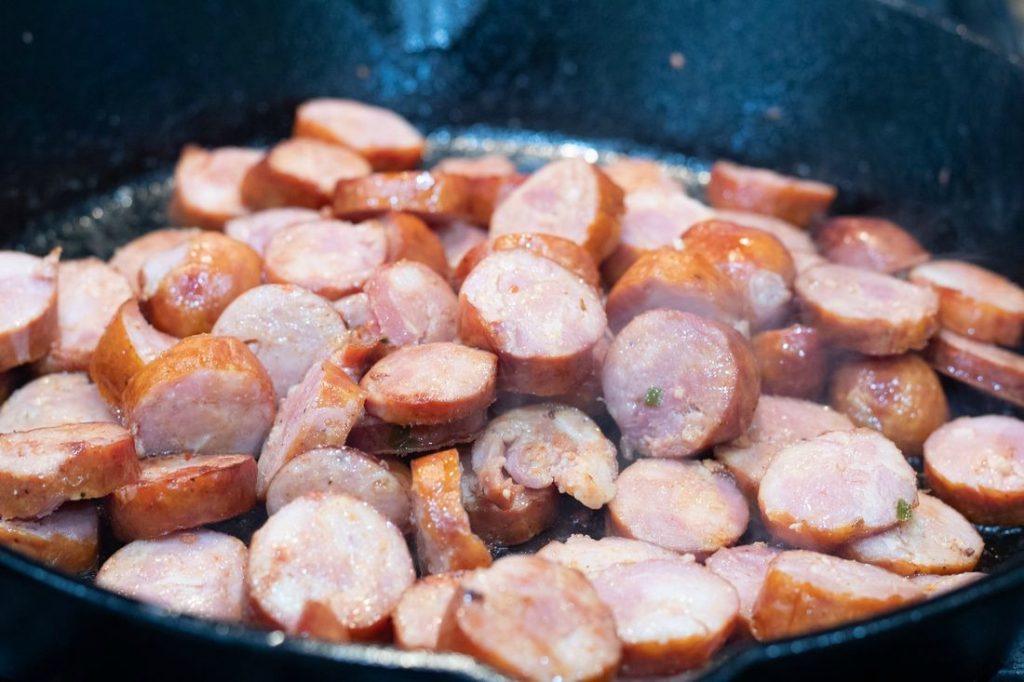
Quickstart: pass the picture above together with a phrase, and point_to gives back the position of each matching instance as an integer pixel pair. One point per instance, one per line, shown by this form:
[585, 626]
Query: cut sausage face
[409, 238]
[434, 383]
[592, 557]
[329, 257]
[835, 488]
[541, 320]
[434, 197]
[900, 396]
[300, 172]
[543, 445]
[527, 513]
[745, 568]
[382, 483]
[54, 400]
[677, 383]
[319, 412]
[974, 301]
[421, 610]
[207, 395]
[332, 551]
[670, 615]
[286, 327]
[43, 468]
[866, 311]
[178, 492]
[411, 304]
[89, 292]
[690, 507]
[793, 361]
[198, 573]
[257, 229]
[569, 198]
[936, 539]
[129, 258]
[763, 191]
[532, 619]
[128, 344]
[976, 464]
[379, 437]
[568, 254]
[444, 541]
[870, 243]
[778, 422]
[634, 175]
[208, 185]
[806, 592]
[987, 368]
[28, 324]
[67, 539]
[457, 238]
[380, 136]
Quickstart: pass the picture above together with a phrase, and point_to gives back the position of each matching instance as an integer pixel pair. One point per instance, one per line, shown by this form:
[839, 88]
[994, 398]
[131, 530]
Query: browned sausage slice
[689, 507]
[379, 437]
[867, 311]
[411, 304]
[936, 539]
[198, 573]
[382, 483]
[42, 468]
[591, 557]
[28, 324]
[433, 383]
[634, 175]
[421, 610]
[206, 394]
[792, 237]
[677, 383]
[900, 396]
[760, 190]
[208, 185]
[319, 412]
[541, 320]
[806, 591]
[329, 257]
[676, 280]
[870, 243]
[994, 370]
[434, 197]
[178, 492]
[745, 568]
[333, 551]
[491, 178]
[129, 258]
[936, 585]
[525, 515]
[54, 400]
[300, 172]
[533, 619]
[457, 238]
[543, 445]
[670, 615]
[380, 136]
[257, 229]
[67, 539]
[778, 422]
[128, 344]
[568, 254]
[286, 327]
[835, 488]
[976, 464]
[185, 289]
[569, 198]
[409, 238]
[793, 361]
[974, 301]
[444, 540]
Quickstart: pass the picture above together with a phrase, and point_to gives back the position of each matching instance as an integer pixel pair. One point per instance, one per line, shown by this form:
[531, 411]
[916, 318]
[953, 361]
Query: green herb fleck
[653, 396]
[903, 511]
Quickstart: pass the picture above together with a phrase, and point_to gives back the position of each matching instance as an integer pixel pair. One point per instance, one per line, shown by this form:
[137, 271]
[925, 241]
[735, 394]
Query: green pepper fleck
[652, 398]
[904, 511]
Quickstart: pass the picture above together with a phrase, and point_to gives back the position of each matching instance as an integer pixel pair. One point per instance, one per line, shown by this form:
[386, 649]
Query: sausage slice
[541, 321]
[379, 437]
[409, 238]
[411, 304]
[178, 492]
[792, 361]
[43, 468]
[745, 568]
[206, 394]
[994, 370]
[129, 258]
[444, 540]
[256, 229]
[760, 190]
[198, 573]
[66, 539]
[976, 464]
[434, 197]
[592, 557]
[569, 198]
[128, 344]
[974, 301]
[568, 254]
[866, 311]
[28, 323]
[634, 175]
[300, 172]
[532, 619]
[380, 136]
[806, 591]
[54, 400]
[421, 610]
[835, 488]
[526, 514]
[208, 185]
[870, 243]
[676, 383]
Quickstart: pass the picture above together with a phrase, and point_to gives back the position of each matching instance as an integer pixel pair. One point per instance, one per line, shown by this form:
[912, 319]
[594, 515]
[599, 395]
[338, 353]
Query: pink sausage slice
[837, 487]
[128, 344]
[198, 573]
[257, 229]
[592, 557]
[689, 507]
[29, 321]
[129, 258]
[380, 136]
[745, 568]
[421, 610]
[208, 185]
[764, 191]
[677, 383]
[54, 400]
[300, 172]
[870, 243]
[411, 304]
[986, 367]
[67, 539]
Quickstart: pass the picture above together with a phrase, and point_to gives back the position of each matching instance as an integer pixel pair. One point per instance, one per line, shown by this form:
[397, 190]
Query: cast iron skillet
[909, 118]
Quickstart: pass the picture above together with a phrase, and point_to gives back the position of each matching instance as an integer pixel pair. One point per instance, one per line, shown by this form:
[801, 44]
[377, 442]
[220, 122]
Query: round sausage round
[129, 258]
[870, 243]
[54, 400]
[764, 191]
[208, 185]
[28, 324]
[380, 136]
[300, 172]
[434, 197]
[410, 304]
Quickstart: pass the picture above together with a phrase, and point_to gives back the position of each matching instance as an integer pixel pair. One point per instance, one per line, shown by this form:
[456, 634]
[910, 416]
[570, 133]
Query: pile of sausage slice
[411, 369]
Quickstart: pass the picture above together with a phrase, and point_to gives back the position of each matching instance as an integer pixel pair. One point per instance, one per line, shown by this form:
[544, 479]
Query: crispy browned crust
[796, 202]
[33, 340]
[409, 238]
[792, 361]
[434, 197]
[1002, 376]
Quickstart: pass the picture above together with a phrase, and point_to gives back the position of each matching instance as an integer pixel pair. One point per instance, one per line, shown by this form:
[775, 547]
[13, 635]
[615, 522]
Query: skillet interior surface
[909, 120]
